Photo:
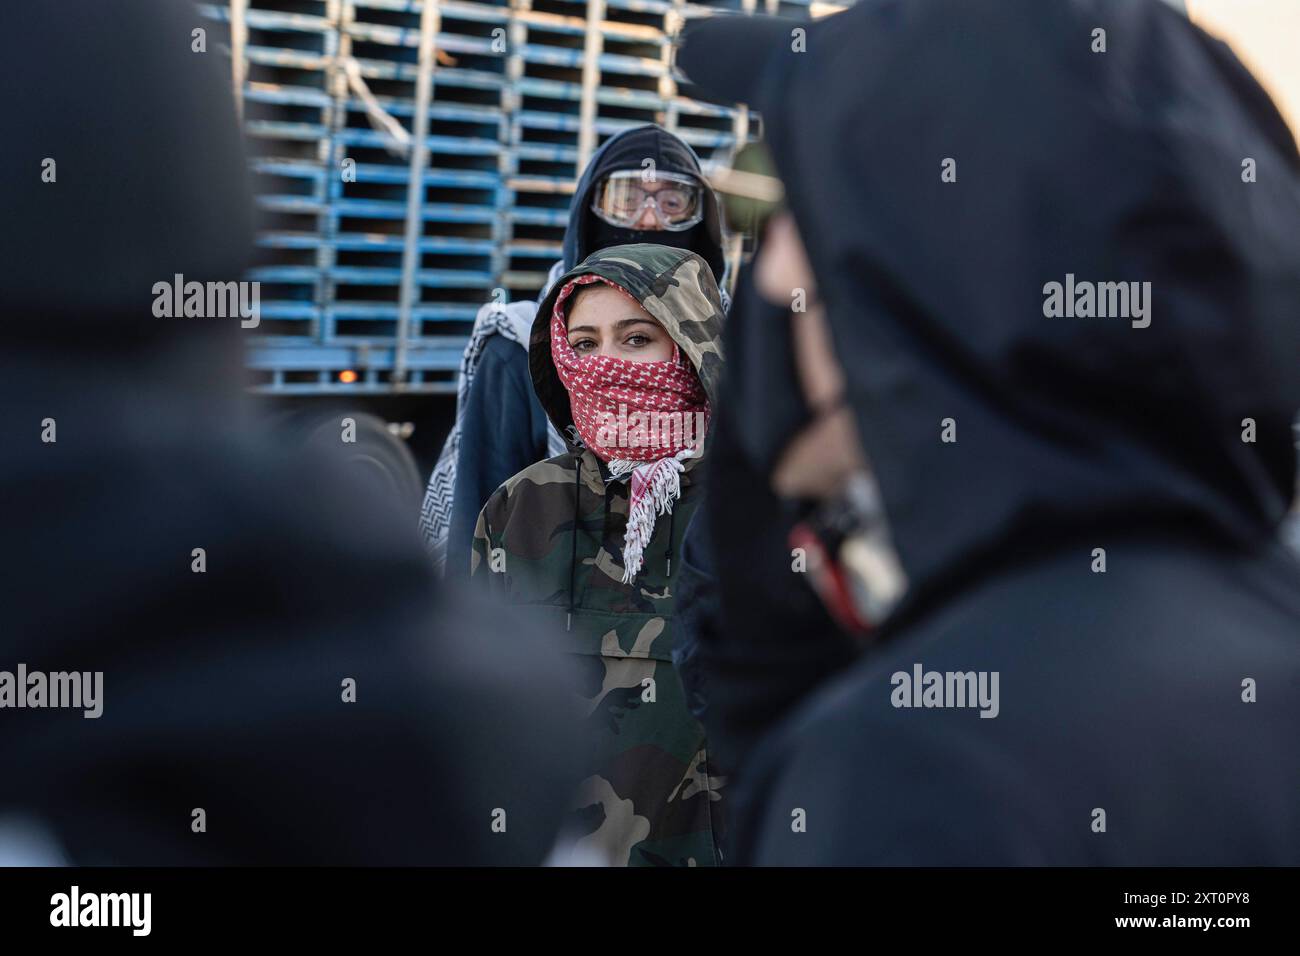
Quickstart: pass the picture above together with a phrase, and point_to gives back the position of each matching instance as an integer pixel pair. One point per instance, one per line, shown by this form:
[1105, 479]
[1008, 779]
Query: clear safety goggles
[676, 201]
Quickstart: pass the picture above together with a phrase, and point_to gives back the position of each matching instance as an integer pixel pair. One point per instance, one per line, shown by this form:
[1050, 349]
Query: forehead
[600, 305]
[655, 185]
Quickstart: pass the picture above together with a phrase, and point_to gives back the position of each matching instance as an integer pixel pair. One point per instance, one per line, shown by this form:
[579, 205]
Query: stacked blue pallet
[522, 92]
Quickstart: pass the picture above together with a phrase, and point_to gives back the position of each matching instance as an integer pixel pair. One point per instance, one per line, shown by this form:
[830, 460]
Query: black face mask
[761, 383]
[851, 563]
[601, 235]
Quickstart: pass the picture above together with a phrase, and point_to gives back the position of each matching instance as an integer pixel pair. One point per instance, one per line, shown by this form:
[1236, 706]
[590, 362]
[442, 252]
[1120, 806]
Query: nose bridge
[648, 218]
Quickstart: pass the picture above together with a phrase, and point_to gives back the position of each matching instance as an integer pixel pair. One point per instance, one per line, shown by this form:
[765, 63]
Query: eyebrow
[619, 326]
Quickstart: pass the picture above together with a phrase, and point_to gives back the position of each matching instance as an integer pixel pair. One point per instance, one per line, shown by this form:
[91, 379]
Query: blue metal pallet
[506, 131]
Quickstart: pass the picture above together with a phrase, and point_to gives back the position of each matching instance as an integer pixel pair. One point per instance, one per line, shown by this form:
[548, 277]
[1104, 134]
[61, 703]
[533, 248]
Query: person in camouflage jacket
[552, 538]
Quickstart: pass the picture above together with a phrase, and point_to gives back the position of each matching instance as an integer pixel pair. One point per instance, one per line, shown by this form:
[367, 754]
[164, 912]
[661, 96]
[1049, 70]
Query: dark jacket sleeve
[503, 431]
[696, 611]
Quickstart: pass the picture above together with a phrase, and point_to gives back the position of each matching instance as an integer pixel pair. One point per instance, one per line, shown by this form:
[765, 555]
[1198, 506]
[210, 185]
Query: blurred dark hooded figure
[734, 654]
[274, 652]
[1085, 508]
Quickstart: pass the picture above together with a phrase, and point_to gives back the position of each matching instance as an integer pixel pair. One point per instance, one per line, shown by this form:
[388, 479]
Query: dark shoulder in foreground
[1139, 719]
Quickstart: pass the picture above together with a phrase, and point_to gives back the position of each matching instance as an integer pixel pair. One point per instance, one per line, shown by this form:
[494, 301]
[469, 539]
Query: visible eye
[627, 198]
[637, 340]
[673, 201]
[583, 345]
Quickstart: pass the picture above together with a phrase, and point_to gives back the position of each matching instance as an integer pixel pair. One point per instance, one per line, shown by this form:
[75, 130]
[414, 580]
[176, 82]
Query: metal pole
[238, 40]
[595, 44]
[673, 20]
[430, 20]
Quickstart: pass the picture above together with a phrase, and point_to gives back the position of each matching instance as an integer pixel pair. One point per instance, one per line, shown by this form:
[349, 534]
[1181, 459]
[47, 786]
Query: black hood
[628, 150]
[1120, 166]
[220, 688]
[149, 174]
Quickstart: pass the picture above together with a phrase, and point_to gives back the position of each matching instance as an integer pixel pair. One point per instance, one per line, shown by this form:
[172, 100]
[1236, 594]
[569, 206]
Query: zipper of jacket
[668, 551]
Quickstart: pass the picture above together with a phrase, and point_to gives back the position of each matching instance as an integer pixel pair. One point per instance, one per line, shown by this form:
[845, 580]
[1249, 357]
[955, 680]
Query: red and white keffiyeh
[605, 394]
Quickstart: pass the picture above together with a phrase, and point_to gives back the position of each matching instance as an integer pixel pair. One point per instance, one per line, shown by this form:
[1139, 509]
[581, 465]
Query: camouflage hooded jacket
[550, 539]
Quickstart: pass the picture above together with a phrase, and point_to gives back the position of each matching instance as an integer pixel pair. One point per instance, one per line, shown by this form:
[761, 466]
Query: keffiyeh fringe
[655, 485]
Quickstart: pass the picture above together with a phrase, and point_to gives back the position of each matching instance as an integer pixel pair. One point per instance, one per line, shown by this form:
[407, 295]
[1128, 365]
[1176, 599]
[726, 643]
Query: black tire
[377, 459]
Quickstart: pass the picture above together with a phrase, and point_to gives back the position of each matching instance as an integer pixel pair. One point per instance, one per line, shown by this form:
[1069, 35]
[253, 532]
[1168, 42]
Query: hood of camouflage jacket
[675, 286]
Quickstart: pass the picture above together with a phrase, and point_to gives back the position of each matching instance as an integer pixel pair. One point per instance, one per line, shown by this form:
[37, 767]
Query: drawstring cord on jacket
[573, 554]
[668, 551]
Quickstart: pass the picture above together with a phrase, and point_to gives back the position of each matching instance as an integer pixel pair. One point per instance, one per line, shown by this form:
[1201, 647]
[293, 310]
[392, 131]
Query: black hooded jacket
[1146, 711]
[153, 532]
[503, 426]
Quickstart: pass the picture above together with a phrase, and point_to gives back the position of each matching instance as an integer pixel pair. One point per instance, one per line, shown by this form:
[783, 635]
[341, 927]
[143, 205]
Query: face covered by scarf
[643, 419]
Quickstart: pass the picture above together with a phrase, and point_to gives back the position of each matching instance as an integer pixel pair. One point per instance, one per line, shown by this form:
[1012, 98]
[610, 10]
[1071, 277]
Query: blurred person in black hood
[273, 650]
[643, 184]
[734, 654]
[1053, 524]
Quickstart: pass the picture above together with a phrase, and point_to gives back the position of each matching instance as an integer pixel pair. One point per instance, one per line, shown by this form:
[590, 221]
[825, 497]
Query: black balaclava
[602, 235]
[762, 379]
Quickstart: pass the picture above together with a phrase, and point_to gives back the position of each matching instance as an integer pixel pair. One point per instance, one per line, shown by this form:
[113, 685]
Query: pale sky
[1265, 34]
